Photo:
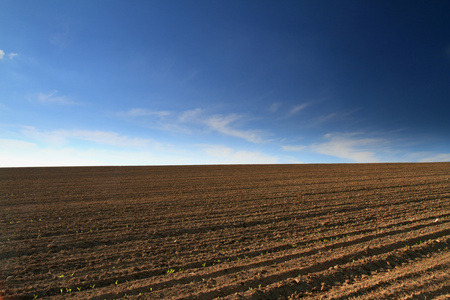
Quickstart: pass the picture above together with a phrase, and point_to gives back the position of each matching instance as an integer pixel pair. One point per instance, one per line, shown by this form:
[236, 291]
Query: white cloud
[53, 98]
[293, 148]
[61, 137]
[350, 147]
[16, 153]
[222, 124]
[225, 155]
[274, 107]
[296, 109]
[191, 116]
[442, 157]
[197, 119]
[9, 55]
[141, 112]
[62, 38]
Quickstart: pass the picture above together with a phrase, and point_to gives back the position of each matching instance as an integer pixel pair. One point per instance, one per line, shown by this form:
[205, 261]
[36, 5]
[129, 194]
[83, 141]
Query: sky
[223, 82]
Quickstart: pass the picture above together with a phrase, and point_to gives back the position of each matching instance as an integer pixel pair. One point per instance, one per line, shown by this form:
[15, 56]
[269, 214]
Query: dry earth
[367, 231]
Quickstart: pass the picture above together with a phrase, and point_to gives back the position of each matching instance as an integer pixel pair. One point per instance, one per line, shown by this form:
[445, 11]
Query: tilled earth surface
[367, 231]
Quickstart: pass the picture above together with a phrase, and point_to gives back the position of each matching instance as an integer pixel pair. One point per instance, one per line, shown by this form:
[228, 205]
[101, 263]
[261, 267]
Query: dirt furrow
[286, 259]
[193, 232]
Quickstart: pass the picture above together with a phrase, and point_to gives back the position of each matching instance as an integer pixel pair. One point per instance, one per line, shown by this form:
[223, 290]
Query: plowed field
[367, 231]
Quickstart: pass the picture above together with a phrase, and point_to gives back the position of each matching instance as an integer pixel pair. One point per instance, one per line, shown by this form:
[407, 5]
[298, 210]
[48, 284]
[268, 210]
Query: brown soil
[368, 231]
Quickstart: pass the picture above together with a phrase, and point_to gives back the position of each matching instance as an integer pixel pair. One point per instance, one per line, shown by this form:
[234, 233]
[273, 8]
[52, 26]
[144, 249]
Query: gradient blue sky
[212, 82]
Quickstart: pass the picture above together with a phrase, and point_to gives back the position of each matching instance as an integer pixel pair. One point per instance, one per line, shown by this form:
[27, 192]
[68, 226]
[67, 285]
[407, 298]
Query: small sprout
[92, 286]
[170, 271]
[78, 288]
[151, 289]
[203, 264]
[35, 296]
[61, 276]
[259, 286]
[116, 282]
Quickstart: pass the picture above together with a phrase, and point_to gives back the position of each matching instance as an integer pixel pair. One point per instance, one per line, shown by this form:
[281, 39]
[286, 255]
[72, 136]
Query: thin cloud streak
[141, 112]
[195, 120]
[293, 148]
[53, 98]
[61, 137]
[350, 147]
[226, 155]
[296, 109]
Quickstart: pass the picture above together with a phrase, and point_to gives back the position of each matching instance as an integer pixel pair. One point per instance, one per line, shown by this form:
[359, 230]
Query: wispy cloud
[54, 98]
[226, 155]
[351, 147]
[296, 109]
[293, 148]
[223, 124]
[274, 107]
[442, 157]
[61, 137]
[198, 119]
[335, 117]
[61, 38]
[141, 112]
[9, 55]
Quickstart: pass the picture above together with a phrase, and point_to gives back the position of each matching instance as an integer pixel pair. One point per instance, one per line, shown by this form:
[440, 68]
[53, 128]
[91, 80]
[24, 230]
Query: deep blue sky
[209, 82]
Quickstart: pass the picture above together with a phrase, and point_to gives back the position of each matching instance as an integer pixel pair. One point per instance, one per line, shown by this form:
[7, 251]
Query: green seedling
[116, 282]
[170, 271]
[78, 288]
[92, 286]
